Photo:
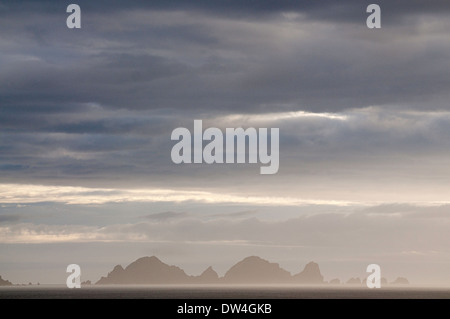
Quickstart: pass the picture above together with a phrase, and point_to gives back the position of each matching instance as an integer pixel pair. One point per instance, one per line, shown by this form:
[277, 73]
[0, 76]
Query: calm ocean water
[219, 292]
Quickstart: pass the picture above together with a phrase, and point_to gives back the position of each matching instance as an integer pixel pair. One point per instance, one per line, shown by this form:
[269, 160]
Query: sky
[86, 117]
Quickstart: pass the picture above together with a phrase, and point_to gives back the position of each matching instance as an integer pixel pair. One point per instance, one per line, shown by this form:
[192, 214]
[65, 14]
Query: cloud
[9, 218]
[164, 57]
[166, 216]
[14, 193]
[436, 210]
[328, 235]
[375, 152]
[343, 11]
[99, 104]
[241, 214]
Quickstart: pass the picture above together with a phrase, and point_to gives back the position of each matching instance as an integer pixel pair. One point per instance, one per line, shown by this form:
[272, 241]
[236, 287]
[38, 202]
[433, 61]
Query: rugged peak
[310, 274]
[209, 271]
[312, 267]
[208, 276]
[145, 270]
[4, 282]
[256, 270]
[118, 268]
[146, 260]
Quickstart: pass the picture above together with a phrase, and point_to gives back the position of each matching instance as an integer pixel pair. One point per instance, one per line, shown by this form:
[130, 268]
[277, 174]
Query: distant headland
[4, 282]
[251, 270]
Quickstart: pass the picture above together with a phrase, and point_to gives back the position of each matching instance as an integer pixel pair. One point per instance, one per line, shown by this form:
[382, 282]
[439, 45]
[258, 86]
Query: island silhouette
[252, 270]
[4, 282]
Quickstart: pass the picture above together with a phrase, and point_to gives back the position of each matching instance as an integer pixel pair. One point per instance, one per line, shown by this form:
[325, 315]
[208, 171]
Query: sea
[221, 292]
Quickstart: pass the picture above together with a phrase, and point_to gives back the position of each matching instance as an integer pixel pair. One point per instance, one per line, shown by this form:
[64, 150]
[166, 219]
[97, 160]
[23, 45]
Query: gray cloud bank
[100, 102]
[154, 56]
[368, 154]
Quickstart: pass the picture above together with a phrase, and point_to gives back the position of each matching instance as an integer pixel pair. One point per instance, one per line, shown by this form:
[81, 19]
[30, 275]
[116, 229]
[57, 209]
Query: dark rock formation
[255, 270]
[207, 277]
[146, 270]
[4, 282]
[310, 275]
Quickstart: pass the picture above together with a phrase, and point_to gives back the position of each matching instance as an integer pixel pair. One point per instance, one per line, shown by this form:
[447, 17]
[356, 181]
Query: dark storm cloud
[118, 80]
[101, 101]
[336, 10]
[201, 64]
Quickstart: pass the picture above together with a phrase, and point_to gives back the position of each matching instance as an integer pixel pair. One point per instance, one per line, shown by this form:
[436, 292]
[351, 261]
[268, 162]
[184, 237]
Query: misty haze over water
[222, 292]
